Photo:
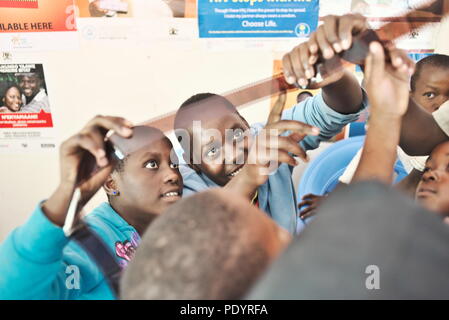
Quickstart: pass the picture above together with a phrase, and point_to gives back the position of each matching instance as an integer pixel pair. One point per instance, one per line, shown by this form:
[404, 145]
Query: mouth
[425, 192]
[235, 172]
[173, 195]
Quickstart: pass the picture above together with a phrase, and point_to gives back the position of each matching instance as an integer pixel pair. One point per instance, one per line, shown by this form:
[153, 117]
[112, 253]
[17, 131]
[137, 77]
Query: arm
[33, 265]
[380, 150]
[416, 142]
[344, 95]
[387, 87]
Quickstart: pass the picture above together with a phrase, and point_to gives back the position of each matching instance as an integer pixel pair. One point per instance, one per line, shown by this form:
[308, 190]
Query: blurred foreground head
[213, 245]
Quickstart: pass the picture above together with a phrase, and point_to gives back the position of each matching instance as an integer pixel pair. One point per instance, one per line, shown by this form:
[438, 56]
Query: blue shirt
[277, 196]
[37, 260]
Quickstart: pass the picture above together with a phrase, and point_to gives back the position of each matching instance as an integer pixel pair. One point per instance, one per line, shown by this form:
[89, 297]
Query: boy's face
[433, 189]
[30, 85]
[150, 181]
[432, 88]
[221, 156]
[13, 99]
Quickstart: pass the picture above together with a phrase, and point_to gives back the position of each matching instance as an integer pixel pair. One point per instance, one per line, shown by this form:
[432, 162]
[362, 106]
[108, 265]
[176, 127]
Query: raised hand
[77, 155]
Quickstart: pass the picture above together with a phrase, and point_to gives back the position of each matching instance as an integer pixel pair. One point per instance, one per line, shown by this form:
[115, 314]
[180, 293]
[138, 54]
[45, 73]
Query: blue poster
[257, 18]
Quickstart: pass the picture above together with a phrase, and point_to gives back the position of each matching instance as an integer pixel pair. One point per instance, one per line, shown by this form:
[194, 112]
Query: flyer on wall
[131, 8]
[26, 121]
[37, 25]
[257, 18]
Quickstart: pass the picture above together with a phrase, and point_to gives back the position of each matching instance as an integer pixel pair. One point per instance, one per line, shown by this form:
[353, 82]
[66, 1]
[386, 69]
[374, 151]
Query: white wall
[145, 75]
[119, 78]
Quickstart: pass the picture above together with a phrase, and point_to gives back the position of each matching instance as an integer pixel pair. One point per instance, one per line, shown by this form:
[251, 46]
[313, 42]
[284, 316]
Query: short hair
[435, 60]
[8, 87]
[200, 248]
[196, 100]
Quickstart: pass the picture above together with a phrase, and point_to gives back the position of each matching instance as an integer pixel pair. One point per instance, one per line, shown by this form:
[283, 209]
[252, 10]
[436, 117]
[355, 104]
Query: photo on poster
[25, 113]
[131, 8]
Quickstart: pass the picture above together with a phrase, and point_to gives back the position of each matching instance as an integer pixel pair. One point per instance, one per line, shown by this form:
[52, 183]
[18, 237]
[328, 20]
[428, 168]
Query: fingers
[330, 27]
[310, 201]
[287, 67]
[298, 63]
[294, 126]
[375, 62]
[119, 125]
[308, 213]
[350, 25]
[401, 61]
[290, 146]
[92, 143]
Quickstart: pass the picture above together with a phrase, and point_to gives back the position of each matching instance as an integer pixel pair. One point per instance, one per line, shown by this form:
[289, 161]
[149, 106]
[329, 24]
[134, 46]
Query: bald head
[204, 247]
[142, 137]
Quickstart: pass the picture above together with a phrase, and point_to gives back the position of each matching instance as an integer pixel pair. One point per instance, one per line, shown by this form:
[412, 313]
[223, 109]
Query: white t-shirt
[441, 116]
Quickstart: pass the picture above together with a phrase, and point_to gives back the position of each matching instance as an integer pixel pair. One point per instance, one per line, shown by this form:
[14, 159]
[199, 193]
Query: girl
[38, 261]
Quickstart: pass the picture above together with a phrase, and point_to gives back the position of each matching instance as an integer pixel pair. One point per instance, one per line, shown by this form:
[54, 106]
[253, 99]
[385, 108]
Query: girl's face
[150, 181]
[433, 189]
[13, 99]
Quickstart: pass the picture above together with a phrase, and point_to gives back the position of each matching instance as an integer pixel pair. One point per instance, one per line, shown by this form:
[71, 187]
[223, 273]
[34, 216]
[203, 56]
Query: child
[37, 258]
[433, 189]
[204, 247]
[339, 103]
[430, 82]
[389, 101]
[12, 99]
[430, 89]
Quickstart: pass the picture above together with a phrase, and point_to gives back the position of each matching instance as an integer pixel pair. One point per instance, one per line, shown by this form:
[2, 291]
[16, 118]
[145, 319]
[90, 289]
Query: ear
[110, 186]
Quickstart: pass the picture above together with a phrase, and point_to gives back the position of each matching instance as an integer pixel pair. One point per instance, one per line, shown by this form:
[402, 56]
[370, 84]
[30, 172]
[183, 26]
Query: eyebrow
[211, 141]
[432, 87]
[149, 154]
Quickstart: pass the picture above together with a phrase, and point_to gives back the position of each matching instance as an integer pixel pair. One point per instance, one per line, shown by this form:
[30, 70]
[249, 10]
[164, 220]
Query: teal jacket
[37, 261]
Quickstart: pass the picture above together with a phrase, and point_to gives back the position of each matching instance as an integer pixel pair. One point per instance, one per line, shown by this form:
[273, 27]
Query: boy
[39, 261]
[339, 103]
[430, 82]
[204, 247]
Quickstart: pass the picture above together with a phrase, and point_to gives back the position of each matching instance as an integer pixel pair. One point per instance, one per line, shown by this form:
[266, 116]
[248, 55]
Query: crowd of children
[215, 244]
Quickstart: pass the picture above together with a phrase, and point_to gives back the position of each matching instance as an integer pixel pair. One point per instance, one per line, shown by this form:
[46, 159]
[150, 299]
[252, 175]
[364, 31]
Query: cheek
[211, 168]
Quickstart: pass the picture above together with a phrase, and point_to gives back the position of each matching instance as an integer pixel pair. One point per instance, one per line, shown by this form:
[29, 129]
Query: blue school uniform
[37, 260]
[277, 196]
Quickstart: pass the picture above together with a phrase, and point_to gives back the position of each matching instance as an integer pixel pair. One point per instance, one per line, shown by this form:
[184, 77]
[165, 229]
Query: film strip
[400, 26]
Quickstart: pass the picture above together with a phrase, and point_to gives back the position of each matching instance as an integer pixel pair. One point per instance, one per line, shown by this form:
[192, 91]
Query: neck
[30, 98]
[137, 219]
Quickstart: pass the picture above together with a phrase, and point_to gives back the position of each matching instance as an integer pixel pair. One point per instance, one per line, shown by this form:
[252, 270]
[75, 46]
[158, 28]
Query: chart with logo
[257, 19]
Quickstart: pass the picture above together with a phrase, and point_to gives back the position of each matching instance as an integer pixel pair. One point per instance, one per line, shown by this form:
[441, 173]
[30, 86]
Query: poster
[35, 25]
[257, 18]
[131, 8]
[26, 121]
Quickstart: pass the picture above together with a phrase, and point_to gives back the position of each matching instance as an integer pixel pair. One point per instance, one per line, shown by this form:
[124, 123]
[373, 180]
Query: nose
[430, 175]
[237, 156]
[442, 100]
[171, 176]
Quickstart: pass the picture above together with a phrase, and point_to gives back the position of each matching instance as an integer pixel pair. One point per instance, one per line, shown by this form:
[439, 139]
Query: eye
[151, 165]
[430, 95]
[174, 166]
[213, 152]
[238, 135]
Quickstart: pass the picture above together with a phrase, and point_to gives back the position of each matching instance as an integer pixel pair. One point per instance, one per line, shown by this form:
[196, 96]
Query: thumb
[375, 63]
